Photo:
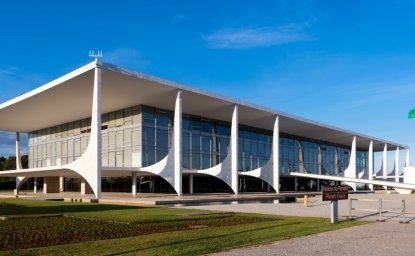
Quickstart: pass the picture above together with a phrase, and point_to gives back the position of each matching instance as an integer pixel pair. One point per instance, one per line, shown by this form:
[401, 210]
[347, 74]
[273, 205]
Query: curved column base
[404, 191]
[165, 170]
[264, 173]
[19, 182]
[222, 171]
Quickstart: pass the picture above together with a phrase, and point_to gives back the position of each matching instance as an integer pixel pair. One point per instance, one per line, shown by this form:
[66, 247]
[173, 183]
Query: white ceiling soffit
[69, 98]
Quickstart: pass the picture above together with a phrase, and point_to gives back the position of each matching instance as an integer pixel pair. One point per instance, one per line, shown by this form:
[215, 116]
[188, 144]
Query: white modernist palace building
[105, 128]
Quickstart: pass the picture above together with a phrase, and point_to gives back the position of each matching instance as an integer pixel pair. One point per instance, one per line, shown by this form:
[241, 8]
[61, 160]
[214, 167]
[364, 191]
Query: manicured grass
[20, 233]
[213, 232]
[118, 213]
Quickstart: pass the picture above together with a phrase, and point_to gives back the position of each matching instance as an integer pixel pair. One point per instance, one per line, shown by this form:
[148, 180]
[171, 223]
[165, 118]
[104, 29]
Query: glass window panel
[205, 161]
[255, 163]
[254, 148]
[119, 118]
[185, 124]
[261, 149]
[195, 160]
[186, 160]
[268, 150]
[162, 139]
[161, 153]
[111, 120]
[64, 130]
[206, 144]
[223, 130]
[186, 142]
[247, 164]
[206, 126]
[148, 136]
[247, 147]
[148, 155]
[127, 116]
[195, 142]
[195, 124]
[162, 119]
[148, 116]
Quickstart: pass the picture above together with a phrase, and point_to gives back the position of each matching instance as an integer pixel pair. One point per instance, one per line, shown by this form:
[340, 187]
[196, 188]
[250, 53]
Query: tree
[2, 161]
[25, 161]
[10, 163]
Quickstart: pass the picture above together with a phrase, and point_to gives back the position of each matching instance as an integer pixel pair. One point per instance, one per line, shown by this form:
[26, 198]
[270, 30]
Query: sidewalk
[381, 239]
[366, 207]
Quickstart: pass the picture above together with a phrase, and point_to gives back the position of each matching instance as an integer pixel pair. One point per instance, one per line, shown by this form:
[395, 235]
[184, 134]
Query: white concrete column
[370, 164]
[18, 153]
[170, 167]
[96, 125]
[177, 133]
[234, 150]
[397, 165]
[190, 183]
[85, 187]
[353, 158]
[61, 184]
[19, 180]
[89, 164]
[276, 155]
[350, 172]
[134, 184]
[35, 185]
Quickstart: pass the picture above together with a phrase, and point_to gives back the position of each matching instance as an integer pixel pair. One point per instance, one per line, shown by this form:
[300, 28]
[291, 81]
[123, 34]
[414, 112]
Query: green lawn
[127, 230]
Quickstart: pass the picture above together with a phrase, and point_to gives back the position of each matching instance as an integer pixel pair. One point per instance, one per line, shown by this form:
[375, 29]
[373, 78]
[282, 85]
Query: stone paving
[380, 238]
[366, 207]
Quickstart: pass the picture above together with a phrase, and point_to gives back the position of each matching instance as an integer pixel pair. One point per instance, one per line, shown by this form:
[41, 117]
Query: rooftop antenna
[95, 55]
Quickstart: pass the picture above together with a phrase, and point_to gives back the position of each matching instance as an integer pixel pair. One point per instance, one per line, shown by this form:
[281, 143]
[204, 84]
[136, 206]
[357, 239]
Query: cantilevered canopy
[69, 98]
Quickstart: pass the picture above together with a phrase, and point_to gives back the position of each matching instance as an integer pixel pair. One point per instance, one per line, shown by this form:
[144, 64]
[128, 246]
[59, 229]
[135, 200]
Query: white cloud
[8, 143]
[14, 82]
[8, 71]
[180, 17]
[243, 38]
[125, 56]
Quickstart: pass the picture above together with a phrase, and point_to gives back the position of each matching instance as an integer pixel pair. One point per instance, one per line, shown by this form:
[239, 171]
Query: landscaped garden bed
[19, 233]
[63, 228]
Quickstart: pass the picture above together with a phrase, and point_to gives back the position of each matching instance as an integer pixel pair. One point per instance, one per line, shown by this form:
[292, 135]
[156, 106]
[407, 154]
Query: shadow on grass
[24, 210]
[203, 238]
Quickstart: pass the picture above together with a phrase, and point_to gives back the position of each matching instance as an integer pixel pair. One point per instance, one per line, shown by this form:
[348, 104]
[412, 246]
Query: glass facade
[309, 156]
[141, 136]
[157, 134]
[254, 148]
[62, 144]
[205, 142]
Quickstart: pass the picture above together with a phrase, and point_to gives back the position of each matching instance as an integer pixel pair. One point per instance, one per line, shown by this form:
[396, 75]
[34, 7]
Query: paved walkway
[366, 207]
[380, 238]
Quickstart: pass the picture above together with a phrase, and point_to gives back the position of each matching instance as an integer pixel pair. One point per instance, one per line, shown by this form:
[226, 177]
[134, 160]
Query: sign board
[334, 193]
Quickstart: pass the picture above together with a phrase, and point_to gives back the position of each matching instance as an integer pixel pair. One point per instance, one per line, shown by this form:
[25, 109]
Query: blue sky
[345, 63]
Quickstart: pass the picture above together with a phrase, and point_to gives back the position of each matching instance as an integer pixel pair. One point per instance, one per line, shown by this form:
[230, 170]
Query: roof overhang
[69, 98]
